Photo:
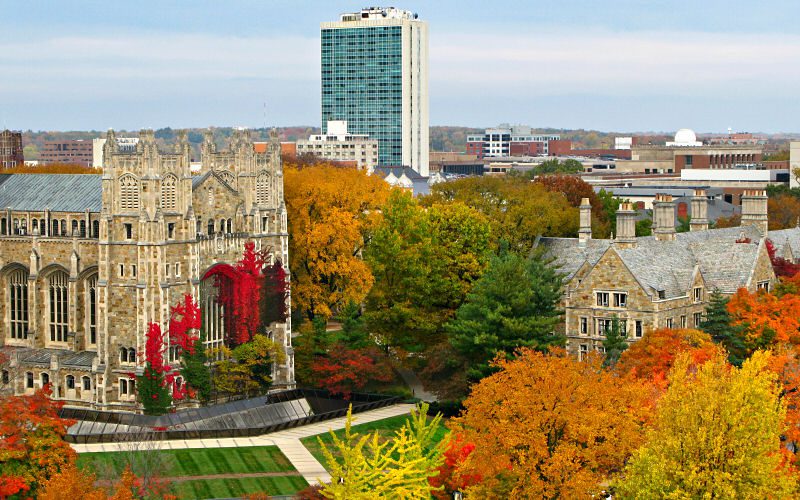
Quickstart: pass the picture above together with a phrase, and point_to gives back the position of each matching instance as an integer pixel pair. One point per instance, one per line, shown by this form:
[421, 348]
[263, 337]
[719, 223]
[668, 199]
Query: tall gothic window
[129, 192]
[169, 193]
[57, 304]
[91, 309]
[262, 189]
[18, 305]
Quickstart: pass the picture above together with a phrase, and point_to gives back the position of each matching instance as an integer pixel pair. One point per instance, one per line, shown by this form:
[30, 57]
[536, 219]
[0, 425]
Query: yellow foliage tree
[331, 212]
[716, 435]
[550, 426]
[71, 483]
[372, 468]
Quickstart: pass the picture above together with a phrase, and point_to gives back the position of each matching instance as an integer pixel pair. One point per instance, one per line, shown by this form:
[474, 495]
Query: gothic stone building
[88, 261]
[662, 280]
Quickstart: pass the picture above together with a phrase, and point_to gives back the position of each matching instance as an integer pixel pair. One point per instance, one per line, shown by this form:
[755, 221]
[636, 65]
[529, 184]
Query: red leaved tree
[781, 266]
[344, 370]
[155, 383]
[184, 323]
[450, 478]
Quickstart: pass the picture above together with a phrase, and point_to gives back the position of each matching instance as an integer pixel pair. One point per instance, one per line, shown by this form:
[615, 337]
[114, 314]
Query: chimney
[585, 231]
[754, 209]
[664, 217]
[699, 214]
[626, 225]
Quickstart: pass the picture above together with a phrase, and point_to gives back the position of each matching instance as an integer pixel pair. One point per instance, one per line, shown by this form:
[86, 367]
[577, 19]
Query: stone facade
[79, 287]
[659, 281]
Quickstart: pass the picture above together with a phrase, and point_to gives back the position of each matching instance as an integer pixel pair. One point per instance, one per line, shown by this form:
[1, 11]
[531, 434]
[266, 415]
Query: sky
[618, 65]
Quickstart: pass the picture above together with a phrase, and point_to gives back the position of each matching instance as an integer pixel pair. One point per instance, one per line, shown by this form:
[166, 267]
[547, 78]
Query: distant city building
[126, 145]
[375, 77]
[794, 163]
[686, 152]
[76, 151]
[339, 144]
[11, 149]
[623, 142]
[509, 140]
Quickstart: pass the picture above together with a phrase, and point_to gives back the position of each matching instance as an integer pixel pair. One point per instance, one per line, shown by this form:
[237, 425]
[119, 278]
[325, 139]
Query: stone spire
[699, 221]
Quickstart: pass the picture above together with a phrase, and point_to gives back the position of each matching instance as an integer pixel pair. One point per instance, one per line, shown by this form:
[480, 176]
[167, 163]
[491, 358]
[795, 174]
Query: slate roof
[81, 359]
[58, 192]
[669, 266]
[783, 237]
[199, 179]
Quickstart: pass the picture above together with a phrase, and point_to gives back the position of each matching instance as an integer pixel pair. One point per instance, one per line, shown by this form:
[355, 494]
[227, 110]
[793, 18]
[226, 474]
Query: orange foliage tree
[652, 357]
[766, 318]
[53, 168]
[549, 426]
[33, 447]
[575, 189]
[785, 362]
[331, 212]
[72, 483]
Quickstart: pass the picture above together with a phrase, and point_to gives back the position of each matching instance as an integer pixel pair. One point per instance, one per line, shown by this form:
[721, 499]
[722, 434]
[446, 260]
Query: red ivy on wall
[184, 323]
[154, 349]
[782, 267]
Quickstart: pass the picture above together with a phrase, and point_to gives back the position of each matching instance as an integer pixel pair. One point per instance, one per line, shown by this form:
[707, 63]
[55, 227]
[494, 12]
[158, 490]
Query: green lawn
[232, 488]
[386, 428]
[195, 462]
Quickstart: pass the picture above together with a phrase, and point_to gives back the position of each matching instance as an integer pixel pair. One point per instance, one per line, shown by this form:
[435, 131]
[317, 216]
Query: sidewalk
[287, 440]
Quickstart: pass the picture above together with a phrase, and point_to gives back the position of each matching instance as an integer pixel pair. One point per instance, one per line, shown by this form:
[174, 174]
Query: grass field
[199, 461]
[386, 428]
[232, 488]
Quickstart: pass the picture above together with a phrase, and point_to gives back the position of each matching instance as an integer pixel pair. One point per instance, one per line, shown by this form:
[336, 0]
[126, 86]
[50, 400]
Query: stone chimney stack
[664, 217]
[699, 221]
[585, 231]
[754, 209]
[626, 225]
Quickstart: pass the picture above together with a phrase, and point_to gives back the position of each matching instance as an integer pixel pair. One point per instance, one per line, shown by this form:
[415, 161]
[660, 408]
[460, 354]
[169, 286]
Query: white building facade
[340, 145]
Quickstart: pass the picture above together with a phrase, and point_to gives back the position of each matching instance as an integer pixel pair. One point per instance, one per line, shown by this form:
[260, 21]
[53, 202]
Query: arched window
[55, 230]
[87, 383]
[63, 227]
[42, 226]
[222, 225]
[129, 192]
[3, 226]
[18, 303]
[169, 193]
[45, 378]
[70, 382]
[58, 313]
[131, 355]
[35, 226]
[29, 380]
[96, 229]
[262, 189]
[178, 382]
[230, 226]
[74, 228]
[123, 355]
[91, 309]
[211, 227]
[16, 226]
[83, 229]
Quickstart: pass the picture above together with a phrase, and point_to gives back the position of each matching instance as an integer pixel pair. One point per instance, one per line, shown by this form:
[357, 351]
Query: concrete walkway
[417, 389]
[287, 440]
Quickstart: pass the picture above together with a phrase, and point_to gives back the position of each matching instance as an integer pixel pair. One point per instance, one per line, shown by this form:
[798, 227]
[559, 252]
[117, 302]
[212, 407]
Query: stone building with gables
[88, 261]
[663, 280]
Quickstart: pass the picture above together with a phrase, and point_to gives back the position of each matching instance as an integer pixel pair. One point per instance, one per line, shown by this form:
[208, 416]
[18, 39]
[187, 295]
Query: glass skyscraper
[375, 76]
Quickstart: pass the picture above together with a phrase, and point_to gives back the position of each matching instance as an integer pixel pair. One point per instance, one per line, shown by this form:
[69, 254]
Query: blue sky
[621, 65]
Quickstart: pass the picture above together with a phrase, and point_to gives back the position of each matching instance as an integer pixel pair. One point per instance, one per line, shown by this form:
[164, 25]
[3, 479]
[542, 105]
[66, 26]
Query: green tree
[514, 304]
[717, 434]
[195, 369]
[610, 204]
[615, 343]
[369, 467]
[555, 166]
[310, 344]
[153, 392]
[718, 323]
[644, 227]
[684, 224]
[247, 369]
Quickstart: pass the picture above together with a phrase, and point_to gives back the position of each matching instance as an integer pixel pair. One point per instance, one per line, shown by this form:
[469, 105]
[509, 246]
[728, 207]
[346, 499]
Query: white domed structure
[685, 137]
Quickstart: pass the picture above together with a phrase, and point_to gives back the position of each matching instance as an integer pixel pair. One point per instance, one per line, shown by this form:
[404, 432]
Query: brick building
[11, 149]
[75, 151]
[88, 261]
[663, 280]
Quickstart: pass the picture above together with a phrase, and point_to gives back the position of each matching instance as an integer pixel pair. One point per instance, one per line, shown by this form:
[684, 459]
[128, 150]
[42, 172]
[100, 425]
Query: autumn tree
[615, 343]
[33, 448]
[652, 356]
[550, 426]
[785, 363]
[783, 267]
[274, 294]
[71, 483]
[369, 467]
[519, 210]
[152, 386]
[514, 304]
[331, 213]
[450, 479]
[575, 190]
[247, 368]
[783, 211]
[424, 263]
[717, 434]
[766, 318]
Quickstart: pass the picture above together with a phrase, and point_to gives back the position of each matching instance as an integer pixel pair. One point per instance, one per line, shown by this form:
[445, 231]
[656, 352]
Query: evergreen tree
[719, 325]
[514, 304]
[154, 393]
[614, 343]
[195, 369]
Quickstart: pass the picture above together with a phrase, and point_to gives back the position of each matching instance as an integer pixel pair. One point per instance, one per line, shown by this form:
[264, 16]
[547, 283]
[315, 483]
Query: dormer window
[662, 295]
[698, 294]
